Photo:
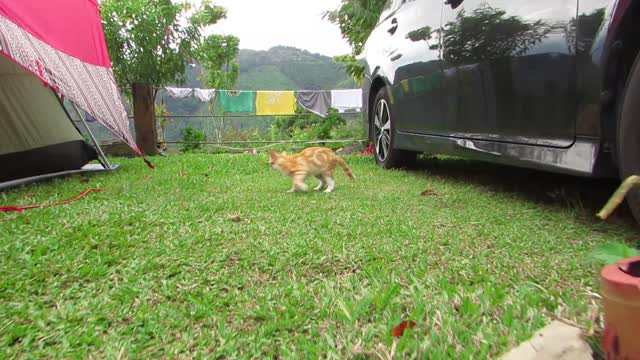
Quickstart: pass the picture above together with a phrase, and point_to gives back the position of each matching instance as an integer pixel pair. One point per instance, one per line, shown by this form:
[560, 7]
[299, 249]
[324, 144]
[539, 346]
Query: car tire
[383, 135]
[629, 135]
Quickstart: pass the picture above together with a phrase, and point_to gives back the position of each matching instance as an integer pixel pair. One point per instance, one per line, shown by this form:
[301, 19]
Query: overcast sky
[262, 24]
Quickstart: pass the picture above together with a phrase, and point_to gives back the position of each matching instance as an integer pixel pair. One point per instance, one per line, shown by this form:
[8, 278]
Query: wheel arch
[377, 83]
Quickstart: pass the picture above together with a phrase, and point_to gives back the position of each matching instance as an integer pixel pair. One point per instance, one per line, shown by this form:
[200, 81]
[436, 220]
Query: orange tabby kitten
[314, 161]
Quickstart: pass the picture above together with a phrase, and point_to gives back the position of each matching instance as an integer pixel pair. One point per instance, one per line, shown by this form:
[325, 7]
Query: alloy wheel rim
[382, 129]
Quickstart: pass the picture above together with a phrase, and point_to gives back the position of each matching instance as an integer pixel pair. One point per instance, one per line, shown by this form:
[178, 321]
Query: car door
[509, 71]
[415, 70]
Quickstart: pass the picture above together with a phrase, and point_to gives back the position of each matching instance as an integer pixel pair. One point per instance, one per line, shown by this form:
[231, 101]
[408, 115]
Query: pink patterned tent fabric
[62, 43]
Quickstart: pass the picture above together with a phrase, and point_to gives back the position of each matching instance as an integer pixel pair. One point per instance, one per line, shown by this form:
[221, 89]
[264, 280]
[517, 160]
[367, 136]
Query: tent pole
[105, 161]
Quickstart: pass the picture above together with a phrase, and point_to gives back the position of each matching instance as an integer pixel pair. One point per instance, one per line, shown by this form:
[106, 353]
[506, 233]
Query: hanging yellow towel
[275, 103]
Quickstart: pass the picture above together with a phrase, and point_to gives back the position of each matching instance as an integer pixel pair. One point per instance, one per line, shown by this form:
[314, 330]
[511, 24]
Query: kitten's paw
[319, 187]
[328, 190]
[290, 191]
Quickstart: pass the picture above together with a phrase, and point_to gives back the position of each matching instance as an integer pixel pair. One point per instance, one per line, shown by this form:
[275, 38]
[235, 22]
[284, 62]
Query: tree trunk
[145, 118]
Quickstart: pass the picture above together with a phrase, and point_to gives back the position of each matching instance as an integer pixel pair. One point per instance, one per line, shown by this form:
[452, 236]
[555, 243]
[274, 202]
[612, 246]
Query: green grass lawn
[222, 262]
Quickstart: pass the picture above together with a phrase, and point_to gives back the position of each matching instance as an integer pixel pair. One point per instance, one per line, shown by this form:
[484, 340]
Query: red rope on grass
[8, 208]
[27, 207]
[143, 181]
[149, 164]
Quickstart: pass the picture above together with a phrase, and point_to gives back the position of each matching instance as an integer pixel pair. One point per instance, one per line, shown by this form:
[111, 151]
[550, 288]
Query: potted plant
[620, 290]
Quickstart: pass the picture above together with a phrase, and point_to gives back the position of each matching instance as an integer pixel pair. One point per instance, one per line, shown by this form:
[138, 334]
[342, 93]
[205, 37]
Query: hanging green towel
[236, 101]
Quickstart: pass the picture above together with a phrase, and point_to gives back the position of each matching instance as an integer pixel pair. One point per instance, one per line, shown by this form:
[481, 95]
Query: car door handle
[394, 26]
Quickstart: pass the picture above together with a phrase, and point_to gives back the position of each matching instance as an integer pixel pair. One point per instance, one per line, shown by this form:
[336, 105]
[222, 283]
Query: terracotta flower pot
[620, 289]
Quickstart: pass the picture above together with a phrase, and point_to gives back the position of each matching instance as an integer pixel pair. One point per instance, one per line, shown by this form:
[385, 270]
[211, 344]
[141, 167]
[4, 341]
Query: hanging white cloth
[204, 94]
[349, 99]
[179, 92]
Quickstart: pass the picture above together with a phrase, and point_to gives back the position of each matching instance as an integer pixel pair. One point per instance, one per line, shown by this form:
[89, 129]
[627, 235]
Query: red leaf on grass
[429, 192]
[368, 150]
[399, 330]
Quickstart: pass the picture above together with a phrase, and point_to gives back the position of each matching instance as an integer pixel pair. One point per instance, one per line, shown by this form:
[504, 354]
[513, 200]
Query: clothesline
[319, 91]
[275, 102]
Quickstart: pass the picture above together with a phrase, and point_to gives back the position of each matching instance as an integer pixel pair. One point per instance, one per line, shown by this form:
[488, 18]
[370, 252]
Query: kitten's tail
[344, 167]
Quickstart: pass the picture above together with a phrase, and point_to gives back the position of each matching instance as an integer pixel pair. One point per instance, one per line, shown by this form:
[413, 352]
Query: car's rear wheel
[383, 131]
[629, 135]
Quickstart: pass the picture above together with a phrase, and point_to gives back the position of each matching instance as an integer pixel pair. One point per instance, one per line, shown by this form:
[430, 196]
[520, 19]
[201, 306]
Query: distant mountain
[289, 68]
[279, 68]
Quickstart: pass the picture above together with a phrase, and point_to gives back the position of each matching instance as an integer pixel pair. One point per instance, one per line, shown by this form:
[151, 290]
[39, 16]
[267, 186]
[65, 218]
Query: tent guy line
[21, 208]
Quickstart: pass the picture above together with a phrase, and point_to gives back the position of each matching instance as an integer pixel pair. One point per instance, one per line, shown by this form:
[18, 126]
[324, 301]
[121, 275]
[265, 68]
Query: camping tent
[50, 50]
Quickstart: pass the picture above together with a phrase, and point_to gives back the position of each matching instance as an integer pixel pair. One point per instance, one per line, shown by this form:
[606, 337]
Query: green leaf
[613, 251]
[356, 19]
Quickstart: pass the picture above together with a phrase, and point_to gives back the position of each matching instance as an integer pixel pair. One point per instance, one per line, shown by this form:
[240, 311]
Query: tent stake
[105, 161]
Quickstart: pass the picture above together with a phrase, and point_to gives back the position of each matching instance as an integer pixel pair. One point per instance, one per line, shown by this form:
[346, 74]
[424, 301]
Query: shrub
[193, 138]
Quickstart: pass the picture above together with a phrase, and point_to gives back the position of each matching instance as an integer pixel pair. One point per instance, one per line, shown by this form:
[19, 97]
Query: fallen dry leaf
[181, 173]
[399, 329]
[235, 217]
[564, 320]
[84, 180]
[429, 192]
[143, 181]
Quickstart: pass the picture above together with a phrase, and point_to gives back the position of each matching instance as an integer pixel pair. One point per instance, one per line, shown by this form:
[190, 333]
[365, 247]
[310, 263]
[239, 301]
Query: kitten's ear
[272, 153]
[284, 153]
